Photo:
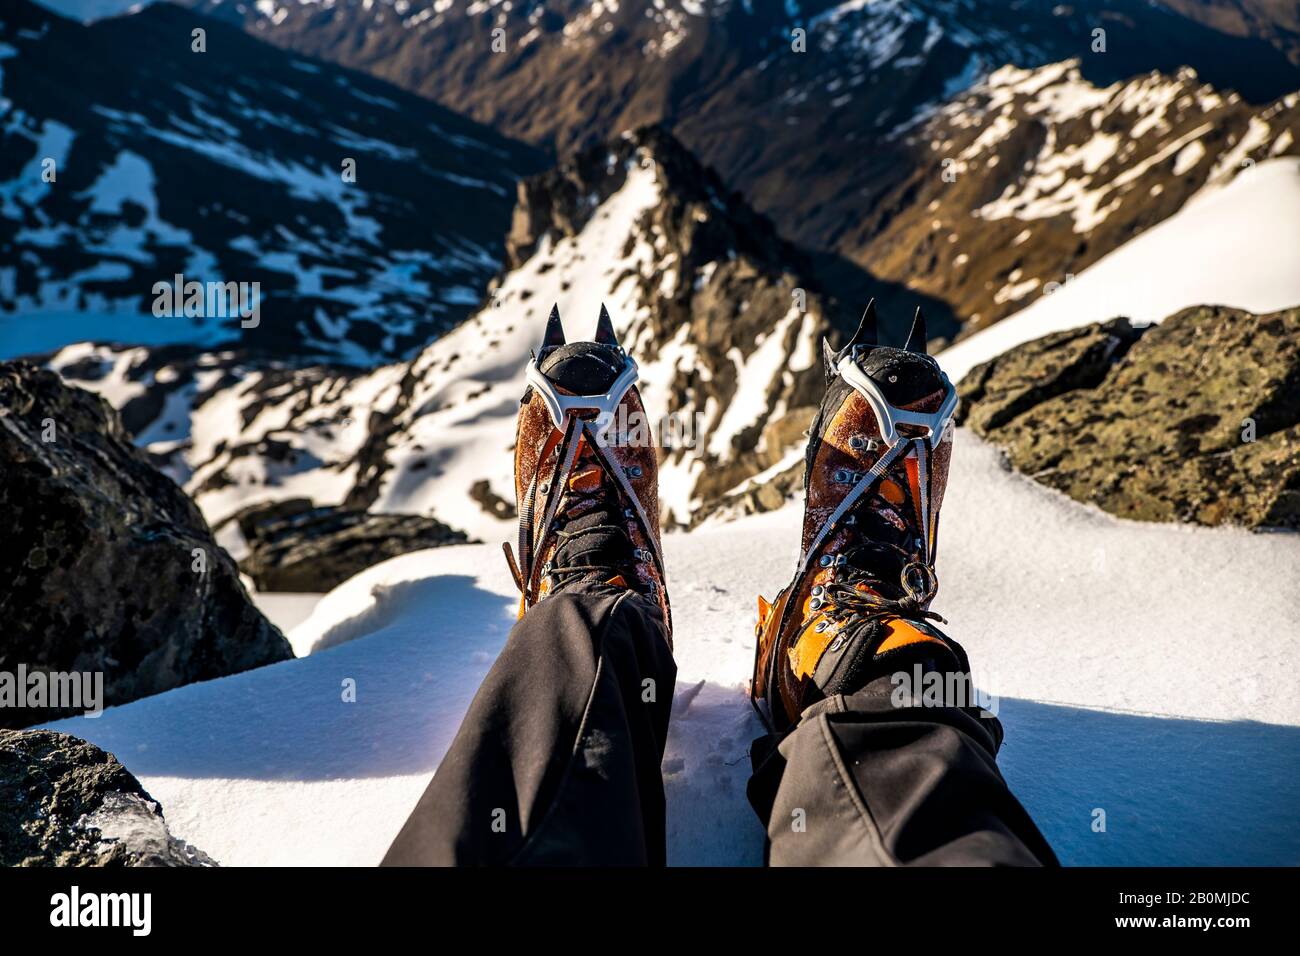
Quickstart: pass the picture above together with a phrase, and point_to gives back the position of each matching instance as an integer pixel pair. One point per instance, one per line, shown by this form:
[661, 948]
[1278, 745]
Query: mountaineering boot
[876, 469]
[587, 485]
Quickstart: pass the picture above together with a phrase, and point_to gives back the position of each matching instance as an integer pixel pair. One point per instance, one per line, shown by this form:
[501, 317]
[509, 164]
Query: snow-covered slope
[1236, 245]
[708, 299]
[369, 219]
[1140, 670]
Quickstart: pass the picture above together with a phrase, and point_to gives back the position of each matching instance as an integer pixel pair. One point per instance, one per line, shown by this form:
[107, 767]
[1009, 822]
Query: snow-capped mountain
[706, 298]
[713, 305]
[1236, 246]
[985, 200]
[1030, 176]
[819, 127]
[369, 218]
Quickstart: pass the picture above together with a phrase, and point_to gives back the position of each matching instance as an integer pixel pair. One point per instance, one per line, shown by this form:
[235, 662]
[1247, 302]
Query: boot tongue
[590, 540]
[590, 523]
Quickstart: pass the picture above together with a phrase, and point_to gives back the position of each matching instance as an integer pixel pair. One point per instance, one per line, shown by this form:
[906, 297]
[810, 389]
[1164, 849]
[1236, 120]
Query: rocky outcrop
[108, 567]
[296, 546]
[997, 392]
[64, 802]
[1196, 419]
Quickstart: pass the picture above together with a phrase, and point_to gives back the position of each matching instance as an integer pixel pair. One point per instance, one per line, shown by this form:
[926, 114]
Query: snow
[286, 610]
[88, 10]
[1141, 670]
[1238, 245]
[30, 187]
[756, 377]
[1188, 157]
[130, 179]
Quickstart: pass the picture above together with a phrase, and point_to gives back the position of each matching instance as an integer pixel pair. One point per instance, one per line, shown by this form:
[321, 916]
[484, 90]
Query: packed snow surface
[1142, 670]
[1236, 245]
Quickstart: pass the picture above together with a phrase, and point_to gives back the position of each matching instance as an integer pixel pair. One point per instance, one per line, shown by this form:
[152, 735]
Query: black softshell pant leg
[557, 761]
[861, 781]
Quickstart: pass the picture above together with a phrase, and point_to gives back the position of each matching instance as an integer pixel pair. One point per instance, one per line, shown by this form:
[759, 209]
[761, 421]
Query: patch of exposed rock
[1196, 419]
[108, 567]
[65, 802]
[294, 545]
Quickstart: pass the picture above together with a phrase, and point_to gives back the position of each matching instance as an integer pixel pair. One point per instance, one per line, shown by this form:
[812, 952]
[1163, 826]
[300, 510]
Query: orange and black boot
[586, 473]
[876, 469]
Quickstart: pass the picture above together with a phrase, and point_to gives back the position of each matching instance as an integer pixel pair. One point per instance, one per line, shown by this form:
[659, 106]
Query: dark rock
[251, 518]
[294, 546]
[1198, 420]
[64, 802]
[997, 391]
[491, 502]
[109, 567]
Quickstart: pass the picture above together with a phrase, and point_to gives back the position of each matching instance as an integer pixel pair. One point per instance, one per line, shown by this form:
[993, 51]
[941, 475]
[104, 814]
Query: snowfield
[1145, 671]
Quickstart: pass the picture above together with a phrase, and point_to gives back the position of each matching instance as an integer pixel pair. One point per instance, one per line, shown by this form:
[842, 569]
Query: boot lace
[858, 595]
[591, 543]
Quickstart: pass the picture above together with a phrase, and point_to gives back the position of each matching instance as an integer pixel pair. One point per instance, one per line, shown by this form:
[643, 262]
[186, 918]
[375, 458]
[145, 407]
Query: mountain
[120, 170]
[833, 140]
[1278, 23]
[705, 295]
[1031, 176]
[717, 309]
[1233, 246]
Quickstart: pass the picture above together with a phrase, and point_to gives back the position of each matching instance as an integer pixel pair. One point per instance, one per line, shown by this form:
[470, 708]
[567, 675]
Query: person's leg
[853, 773]
[557, 761]
[862, 781]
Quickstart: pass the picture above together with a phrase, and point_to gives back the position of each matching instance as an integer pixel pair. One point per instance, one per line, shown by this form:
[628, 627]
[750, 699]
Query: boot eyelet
[818, 590]
[840, 560]
[814, 604]
[836, 644]
[634, 471]
[544, 488]
[821, 626]
[857, 443]
[826, 560]
[840, 476]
